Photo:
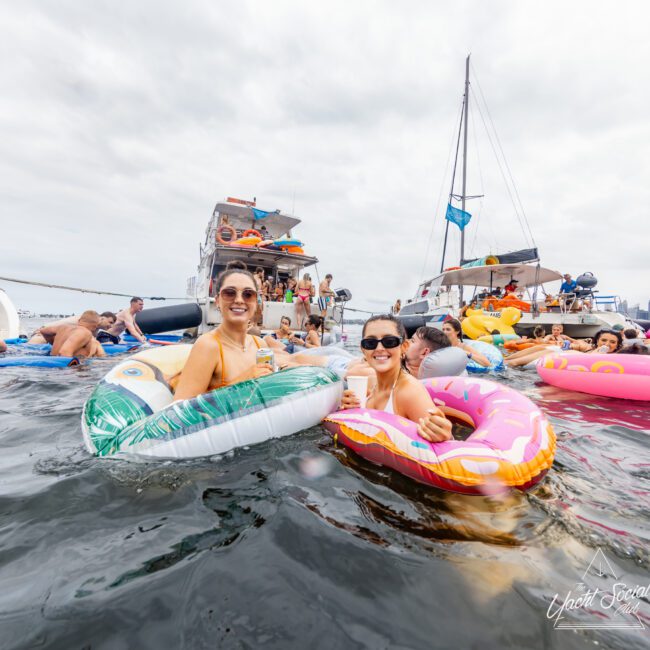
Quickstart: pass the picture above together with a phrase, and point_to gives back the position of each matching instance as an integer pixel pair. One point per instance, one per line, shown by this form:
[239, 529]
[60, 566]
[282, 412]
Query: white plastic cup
[359, 386]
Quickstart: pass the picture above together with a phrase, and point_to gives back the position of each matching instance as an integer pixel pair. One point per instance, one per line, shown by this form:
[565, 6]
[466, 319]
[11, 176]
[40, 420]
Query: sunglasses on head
[388, 342]
[230, 293]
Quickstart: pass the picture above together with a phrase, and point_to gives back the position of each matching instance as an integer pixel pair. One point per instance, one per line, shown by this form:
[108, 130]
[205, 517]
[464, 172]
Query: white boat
[9, 320]
[582, 313]
[242, 216]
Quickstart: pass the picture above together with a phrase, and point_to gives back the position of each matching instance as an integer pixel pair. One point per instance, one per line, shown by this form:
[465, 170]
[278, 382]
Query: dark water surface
[297, 543]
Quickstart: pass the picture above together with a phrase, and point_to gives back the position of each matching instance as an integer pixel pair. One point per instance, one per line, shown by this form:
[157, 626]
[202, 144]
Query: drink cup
[359, 386]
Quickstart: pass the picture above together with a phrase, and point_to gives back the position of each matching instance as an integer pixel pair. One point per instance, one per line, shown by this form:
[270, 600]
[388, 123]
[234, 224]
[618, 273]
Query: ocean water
[298, 543]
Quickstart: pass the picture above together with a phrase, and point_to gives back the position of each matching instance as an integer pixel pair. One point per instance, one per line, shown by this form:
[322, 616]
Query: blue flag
[459, 217]
[260, 214]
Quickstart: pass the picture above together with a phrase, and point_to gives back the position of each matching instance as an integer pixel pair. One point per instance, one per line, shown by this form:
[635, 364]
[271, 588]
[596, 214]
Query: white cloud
[122, 125]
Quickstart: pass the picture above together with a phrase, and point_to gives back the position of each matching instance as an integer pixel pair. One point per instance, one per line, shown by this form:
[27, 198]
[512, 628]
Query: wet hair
[237, 264]
[455, 324]
[630, 333]
[635, 348]
[108, 314]
[619, 338]
[136, 299]
[539, 331]
[399, 326]
[221, 278]
[434, 338]
[316, 321]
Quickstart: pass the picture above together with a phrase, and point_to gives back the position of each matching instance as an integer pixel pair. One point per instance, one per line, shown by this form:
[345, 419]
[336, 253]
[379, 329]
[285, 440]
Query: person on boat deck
[606, 342]
[225, 355]
[279, 291]
[304, 292]
[397, 307]
[325, 294]
[557, 336]
[453, 331]
[70, 340]
[511, 287]
[384, 348]
[496, 292]
[259, 285]
[264, 232]
[569, 285]
[267, 288]
[126, 321]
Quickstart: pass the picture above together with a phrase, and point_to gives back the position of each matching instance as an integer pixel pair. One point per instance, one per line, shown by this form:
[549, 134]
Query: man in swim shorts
[325, 295]
[70, 340]
[106, 320]
[126, 321]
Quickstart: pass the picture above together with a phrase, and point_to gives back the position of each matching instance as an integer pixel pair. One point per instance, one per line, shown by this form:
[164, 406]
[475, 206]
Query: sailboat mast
[463, 196]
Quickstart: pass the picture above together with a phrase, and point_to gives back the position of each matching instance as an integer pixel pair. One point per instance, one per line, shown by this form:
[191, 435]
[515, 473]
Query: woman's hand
[350, 400]
[435, 427]
[261, 370]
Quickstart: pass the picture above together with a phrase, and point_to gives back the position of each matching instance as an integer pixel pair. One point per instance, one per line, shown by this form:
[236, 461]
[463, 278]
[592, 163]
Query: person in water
[70, 340]
[225, 355]
[384, 348]
[606, 342]
[557, 335]
[454, 332]
[106, 320]
[126, 320]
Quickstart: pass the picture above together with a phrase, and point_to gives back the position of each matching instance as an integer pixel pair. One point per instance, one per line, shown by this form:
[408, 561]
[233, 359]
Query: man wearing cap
[511, 287]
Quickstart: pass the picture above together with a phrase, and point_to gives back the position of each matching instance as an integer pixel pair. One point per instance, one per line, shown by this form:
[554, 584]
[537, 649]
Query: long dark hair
[399, 326]
[456, 326]
[232, 271]
[619, 338]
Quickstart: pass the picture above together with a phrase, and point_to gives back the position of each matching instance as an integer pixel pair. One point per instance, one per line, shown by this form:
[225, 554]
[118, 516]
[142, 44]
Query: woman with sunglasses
[226, 355]
[384, 348]
[454, 332]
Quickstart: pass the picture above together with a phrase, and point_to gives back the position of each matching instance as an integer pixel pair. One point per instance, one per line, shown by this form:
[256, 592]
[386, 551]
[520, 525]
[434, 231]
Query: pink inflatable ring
[626, 376]
[513, 443]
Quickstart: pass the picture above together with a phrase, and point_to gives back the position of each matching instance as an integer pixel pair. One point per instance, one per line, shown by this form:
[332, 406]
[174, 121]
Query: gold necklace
[243, 347]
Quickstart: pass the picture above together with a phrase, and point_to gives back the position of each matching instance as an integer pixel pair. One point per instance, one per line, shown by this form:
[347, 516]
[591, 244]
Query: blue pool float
[487, 350]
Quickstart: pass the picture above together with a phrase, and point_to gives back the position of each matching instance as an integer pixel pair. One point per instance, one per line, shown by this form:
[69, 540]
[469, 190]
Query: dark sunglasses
[388, 342]
[230, 293]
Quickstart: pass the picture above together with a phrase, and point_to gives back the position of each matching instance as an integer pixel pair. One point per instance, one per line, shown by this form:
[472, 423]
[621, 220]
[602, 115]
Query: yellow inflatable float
[478, 324]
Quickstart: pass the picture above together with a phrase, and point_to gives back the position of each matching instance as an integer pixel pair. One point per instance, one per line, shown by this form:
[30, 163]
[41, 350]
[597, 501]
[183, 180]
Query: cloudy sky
[124, 123]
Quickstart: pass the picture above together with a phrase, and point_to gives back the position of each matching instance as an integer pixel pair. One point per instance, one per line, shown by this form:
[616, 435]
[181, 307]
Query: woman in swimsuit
[226, 355]
[384, 348]
[454, 333]
[303, 293]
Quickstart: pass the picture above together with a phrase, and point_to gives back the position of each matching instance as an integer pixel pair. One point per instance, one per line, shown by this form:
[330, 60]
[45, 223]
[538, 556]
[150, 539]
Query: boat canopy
[493, 275]
[243, 217]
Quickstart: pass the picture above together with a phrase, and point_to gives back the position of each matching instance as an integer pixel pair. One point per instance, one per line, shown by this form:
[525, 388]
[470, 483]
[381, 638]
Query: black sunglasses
[388, 342]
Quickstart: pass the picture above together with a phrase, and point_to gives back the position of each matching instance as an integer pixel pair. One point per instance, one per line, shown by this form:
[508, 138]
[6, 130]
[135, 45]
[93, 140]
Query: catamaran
[582, 312]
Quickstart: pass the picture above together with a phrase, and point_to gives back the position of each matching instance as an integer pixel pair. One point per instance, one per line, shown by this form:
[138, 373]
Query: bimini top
[243, 217]
[526, 275]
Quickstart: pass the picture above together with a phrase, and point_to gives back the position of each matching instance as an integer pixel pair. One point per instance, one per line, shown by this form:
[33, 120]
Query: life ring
[231, 230]
[251, 232]
[512, 445]
[625, 376]
[131, 410]
[490, 352]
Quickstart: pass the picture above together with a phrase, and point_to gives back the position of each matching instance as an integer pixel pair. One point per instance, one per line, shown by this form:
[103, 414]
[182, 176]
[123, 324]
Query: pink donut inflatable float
[513, 444]
[626, 376]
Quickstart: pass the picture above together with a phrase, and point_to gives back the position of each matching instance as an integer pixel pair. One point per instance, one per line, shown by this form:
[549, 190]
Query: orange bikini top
[223, 363]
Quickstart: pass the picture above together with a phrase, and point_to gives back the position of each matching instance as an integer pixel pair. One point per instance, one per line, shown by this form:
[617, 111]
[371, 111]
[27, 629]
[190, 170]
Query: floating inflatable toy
[500, 339]
[497, 304]
[492, 353]
[284, 243]
[9, 319]
[478, 324]
[626, 376]
[445, 362]
[131, 410]
[37, 361]
[247, 241]
[512, 445]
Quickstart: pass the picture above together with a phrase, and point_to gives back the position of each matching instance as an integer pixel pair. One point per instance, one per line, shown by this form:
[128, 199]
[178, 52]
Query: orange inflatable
[497, 304]
[251, 232]
[231, 230]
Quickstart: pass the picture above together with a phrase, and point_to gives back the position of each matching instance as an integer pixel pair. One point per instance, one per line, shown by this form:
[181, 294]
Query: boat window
[420, 307]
